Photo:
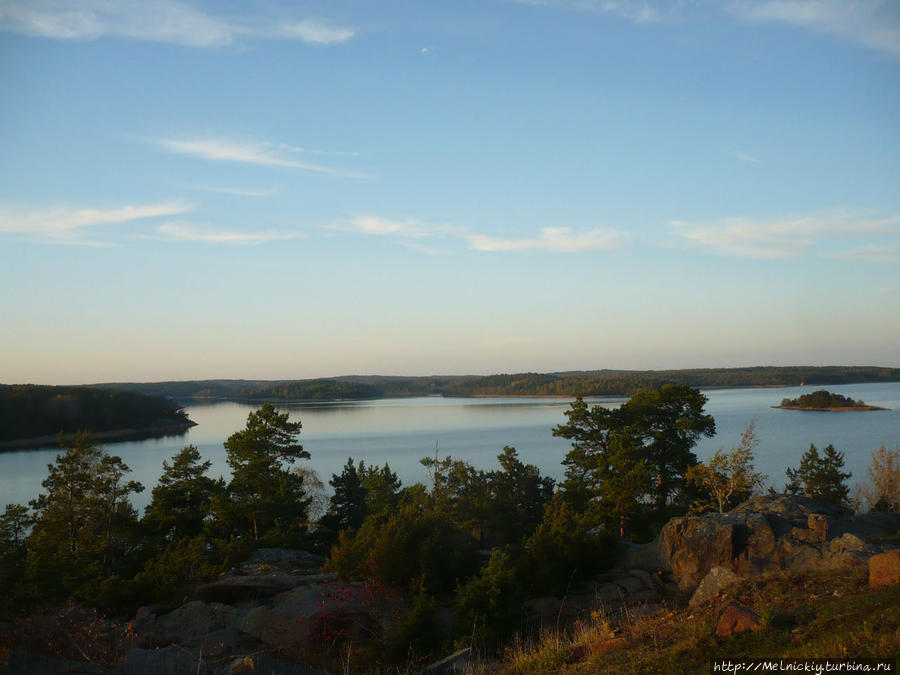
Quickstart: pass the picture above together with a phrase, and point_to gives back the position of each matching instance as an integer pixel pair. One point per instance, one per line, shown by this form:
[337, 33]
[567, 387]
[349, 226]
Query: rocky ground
[278, 610]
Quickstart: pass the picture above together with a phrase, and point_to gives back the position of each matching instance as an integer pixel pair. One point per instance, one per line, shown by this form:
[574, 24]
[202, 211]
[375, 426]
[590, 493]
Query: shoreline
[861, 408]
[111, 435]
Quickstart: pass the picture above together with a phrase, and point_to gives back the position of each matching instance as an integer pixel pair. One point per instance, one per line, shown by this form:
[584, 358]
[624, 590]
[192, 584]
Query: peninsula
[34, 416]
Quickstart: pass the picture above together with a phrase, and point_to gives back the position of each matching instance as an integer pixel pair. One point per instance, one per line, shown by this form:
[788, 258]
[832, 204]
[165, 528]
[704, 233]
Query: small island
[825, 400]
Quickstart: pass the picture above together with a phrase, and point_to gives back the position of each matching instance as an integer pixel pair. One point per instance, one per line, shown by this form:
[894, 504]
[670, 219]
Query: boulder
[737, 619]
[187, 626]
[884, 569]
[231, 589]
[716, 580]
[745, 542]
[265, 560]
[818, 524]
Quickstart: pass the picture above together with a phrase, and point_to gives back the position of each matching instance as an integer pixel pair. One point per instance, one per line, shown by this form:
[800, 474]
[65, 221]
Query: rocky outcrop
[617, 594]
[715, 581]
[738, 619]
[884, 569]
[775, 532]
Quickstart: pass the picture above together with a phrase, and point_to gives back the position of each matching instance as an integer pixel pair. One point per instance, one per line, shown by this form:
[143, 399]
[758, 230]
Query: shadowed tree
[820, 476]
[266, 498]
[183, 497]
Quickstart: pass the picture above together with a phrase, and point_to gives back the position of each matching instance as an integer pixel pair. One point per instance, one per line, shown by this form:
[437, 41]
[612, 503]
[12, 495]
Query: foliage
[623, 457]
[820, 477]
[821, 399]
[312, 390]
[416, 545]
[727, 479]
[489, 605]
[182, 500]
[347, 507]
[32, 411]
[84, 525]
[881, 492]
[266, 501]
[573, 383]
[564, 547]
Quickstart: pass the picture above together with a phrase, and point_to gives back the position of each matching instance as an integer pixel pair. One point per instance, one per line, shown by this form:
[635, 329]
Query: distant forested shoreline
[568, 384]
[36, 415]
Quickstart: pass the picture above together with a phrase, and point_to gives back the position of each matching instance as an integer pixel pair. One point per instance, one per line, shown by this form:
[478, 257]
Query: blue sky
[300, 189]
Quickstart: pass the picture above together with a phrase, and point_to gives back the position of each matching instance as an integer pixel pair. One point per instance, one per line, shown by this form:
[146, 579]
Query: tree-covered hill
[569, 383]
[30, 411]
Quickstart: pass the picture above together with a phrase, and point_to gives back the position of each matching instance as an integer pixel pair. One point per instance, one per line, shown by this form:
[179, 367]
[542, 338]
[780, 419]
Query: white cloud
[782, 238]
[550, 239]
[636, 11]
[873, 252]
[871, 23]
[314, 32]
[238, 192]
[412, 229]
[747, 157]
[66, 224]
[168, 21]
[262, 153]
[182, 232]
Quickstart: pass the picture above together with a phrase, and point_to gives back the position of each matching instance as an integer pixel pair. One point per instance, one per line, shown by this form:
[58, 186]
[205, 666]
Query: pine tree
[820, 477]
[267, 499]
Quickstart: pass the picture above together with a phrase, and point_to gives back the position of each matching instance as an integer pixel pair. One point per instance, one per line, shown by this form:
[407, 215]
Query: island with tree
[825, 400]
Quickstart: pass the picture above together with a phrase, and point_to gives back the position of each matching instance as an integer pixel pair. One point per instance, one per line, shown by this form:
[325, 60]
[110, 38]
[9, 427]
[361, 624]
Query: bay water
[403, 431]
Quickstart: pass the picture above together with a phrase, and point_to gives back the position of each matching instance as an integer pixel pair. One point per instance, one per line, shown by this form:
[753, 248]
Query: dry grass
[825, 614]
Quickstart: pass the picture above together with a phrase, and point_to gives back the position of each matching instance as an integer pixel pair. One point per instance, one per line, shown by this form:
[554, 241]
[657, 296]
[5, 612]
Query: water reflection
[402, 431]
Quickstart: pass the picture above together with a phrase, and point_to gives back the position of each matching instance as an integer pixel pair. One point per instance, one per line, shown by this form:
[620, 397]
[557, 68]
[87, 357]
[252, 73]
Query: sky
[275, 190]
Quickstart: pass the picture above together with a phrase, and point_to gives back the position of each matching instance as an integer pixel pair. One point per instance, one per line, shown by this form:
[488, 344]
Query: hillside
[568, 384]
[34, 416]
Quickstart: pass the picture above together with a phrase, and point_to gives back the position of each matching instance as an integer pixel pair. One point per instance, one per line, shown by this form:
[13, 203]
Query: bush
[415, 546]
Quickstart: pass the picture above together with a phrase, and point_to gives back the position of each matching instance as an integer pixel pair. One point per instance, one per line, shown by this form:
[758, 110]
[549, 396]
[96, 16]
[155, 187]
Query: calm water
[402, 431]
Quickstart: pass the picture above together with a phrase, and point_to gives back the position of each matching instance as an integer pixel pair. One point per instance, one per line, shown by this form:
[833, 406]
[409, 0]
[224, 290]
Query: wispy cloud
[747, 157]
[314, 32]
[874, 24]
[67, 225]
[182, 232]
[412, 229]
[168, 21]
[261, 153]
[781, 238]
[872, 252]
[871, 23]
[238, 192]
[636, 11]
[562, 239]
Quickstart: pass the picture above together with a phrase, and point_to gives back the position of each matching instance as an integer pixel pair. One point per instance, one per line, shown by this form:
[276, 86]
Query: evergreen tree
[382, 489]
[820, 477]
[637, 453]
[182, 499]
[347, 508]
[85, 523]
[266, 500]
